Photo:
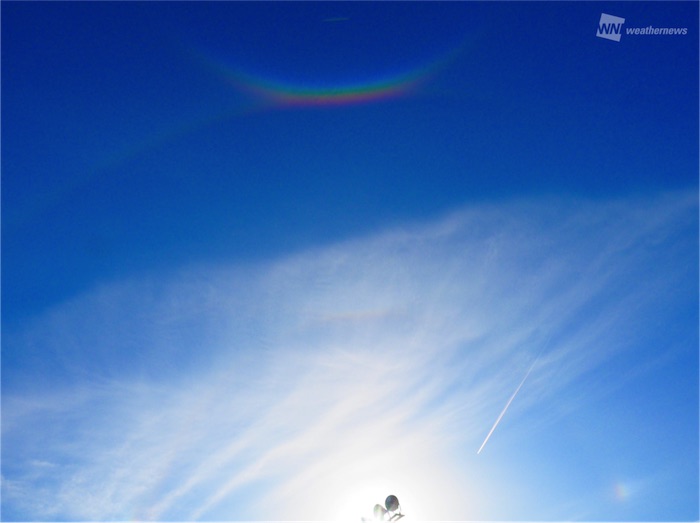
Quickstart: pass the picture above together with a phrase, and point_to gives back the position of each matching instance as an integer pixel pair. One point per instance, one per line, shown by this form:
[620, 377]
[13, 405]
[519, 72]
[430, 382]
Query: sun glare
[358, 502]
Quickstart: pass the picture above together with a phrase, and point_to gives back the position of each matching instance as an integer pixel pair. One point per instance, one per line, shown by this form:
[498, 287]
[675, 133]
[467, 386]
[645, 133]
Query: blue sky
[275, 261]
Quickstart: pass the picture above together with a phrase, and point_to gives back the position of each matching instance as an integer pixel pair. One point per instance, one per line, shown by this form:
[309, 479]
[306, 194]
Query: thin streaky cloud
[372, 361]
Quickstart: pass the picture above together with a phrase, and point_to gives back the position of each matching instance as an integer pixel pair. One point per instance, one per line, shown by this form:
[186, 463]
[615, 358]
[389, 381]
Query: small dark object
[392, 508]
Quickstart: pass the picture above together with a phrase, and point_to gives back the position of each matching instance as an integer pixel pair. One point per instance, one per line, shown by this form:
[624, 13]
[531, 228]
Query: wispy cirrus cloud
[307, 387]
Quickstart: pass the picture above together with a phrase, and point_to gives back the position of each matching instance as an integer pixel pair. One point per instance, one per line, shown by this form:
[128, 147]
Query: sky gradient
[276, 261]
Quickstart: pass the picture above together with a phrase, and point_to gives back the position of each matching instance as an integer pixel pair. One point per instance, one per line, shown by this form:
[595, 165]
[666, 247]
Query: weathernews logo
[610, 28]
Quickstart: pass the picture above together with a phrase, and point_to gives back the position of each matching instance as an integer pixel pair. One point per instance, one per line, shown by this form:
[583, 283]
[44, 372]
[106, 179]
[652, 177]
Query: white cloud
[306, 386]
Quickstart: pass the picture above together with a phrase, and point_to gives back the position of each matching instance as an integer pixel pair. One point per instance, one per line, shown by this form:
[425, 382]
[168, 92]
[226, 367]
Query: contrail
[508, 404]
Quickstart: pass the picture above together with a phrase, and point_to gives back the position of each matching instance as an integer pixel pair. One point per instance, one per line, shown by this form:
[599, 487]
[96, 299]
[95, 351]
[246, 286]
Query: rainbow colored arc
[293, 93]
[289, 94]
